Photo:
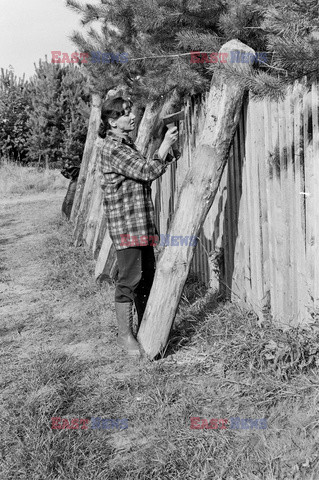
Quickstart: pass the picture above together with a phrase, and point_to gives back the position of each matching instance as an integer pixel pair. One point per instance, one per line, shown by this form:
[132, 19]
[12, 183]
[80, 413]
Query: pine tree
[76, 100]
[58, 118]
[285, 30]
[15, 105]
[45, 120]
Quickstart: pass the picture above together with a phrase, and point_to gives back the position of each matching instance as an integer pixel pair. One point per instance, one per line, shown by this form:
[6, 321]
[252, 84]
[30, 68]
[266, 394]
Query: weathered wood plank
[299, 230]
[91, 183]
[309, 197]
[260, 172]
[256, 127]
[269, 172]
[198, 191]
[315, 132]
[282, 223]
[291, 213]
[93, 127]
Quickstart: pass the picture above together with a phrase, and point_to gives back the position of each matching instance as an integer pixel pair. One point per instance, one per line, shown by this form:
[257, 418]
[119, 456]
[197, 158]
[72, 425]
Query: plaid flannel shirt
[126, 178]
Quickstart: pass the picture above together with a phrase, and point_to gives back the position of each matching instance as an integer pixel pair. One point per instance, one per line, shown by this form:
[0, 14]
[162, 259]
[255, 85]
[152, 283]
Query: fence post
[194, 201]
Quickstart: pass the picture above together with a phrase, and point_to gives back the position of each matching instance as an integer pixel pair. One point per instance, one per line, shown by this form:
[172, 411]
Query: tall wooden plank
[199, 190]
[233, 210]
[227, 240]
[106, 260]
[94, 213]
[88, 193]
[239, 271]
[93, 127]
[283, 227]
[291, 213]
[246, 225]
[315, 133]
[256, 159]
[99, 233]
[261, 172]
[299, 230]
[252, 198]
[309, 196]
[279, 239]
[269, 173]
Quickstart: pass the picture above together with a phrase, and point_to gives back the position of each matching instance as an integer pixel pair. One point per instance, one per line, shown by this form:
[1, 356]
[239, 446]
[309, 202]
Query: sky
[31, 29]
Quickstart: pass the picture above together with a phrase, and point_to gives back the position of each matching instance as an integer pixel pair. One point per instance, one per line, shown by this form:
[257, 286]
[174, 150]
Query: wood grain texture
[196, 197]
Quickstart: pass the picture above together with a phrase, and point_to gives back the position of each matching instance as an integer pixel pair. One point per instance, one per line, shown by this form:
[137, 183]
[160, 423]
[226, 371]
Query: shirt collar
[128, 141]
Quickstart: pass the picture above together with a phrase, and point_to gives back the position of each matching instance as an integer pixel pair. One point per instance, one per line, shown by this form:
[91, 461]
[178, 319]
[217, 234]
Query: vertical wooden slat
[262, 210]
[94, 212]
[252, 155]
[278, 217]
[239, 271]
[247, 205]
[282, 225]
[257, 187]
[99, 233]
[268, 169]
[233, 210]
[299, 232]
[228, 230]
[291, 213]
[309, 190]
[315, 131]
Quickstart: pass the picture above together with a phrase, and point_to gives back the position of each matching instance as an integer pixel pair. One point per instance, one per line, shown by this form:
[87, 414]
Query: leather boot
[125, 337]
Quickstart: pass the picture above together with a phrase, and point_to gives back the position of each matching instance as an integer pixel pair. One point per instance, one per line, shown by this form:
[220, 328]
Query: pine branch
[260, 84]
[198, 41]
[75, 5]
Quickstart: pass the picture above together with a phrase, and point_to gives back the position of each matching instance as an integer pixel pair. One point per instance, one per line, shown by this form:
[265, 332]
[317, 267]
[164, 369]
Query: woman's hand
[169, 140]
[171, 136]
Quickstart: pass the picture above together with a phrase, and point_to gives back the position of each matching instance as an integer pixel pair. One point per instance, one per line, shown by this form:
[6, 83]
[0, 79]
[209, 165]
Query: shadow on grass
[197, 302]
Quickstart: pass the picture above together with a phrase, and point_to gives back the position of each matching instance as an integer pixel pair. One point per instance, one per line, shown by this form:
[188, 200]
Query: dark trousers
[136, 273]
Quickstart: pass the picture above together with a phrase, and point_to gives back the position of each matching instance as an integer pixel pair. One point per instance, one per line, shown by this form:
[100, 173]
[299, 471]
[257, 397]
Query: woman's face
[125, 123]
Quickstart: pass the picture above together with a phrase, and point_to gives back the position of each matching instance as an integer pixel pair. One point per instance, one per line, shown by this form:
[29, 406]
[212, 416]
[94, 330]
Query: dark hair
[112, 108]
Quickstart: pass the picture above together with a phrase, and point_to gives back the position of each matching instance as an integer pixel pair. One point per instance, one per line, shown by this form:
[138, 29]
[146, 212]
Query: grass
[19, 180]
[219, 364]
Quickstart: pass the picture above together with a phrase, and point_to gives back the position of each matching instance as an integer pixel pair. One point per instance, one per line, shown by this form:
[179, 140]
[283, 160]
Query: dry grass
[219, 364]
[19, 180]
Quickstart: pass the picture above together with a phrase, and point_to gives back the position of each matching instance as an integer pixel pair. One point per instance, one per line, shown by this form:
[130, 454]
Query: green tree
[58, 118]
[15, 105]
[75, 96]
[285, 30]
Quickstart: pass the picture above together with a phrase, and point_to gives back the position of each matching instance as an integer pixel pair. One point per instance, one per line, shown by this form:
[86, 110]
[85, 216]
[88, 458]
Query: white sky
[31, 29]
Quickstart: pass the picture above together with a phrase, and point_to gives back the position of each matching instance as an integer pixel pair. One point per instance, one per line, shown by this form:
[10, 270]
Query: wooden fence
[259, 242]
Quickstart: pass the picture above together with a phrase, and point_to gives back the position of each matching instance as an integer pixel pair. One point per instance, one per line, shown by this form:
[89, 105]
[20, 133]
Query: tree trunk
[92, 183]
[94, 123]
[195, 199]
[105, 263]
[95, 211]
[68, 199]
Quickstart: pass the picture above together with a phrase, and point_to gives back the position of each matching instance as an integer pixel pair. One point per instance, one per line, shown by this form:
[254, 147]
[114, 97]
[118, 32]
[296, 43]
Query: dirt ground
[37, 314]
[24, 222]
[27, 303]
